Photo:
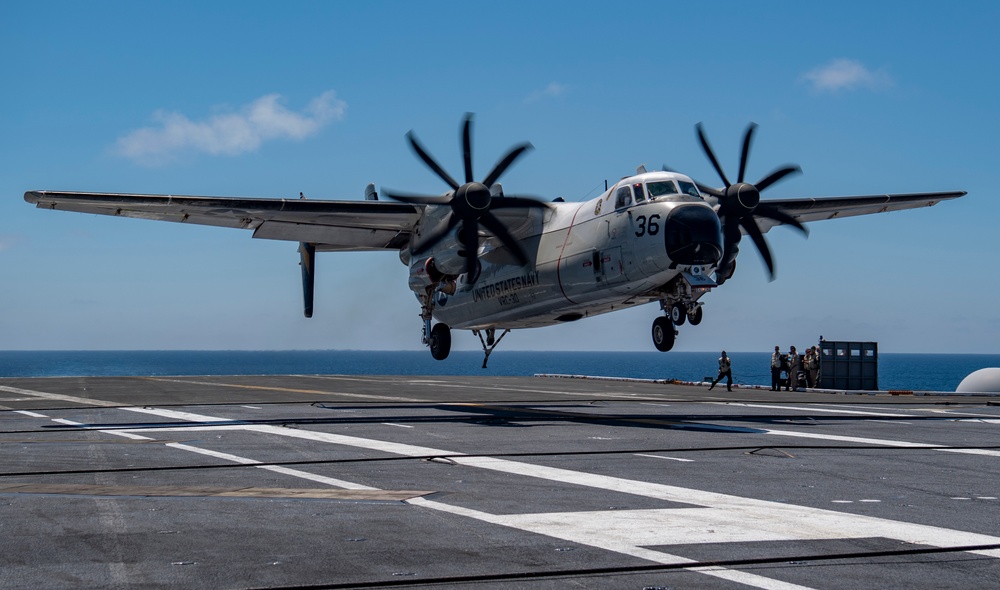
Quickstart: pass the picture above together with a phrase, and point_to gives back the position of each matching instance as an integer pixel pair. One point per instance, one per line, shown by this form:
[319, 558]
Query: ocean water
[923, 372]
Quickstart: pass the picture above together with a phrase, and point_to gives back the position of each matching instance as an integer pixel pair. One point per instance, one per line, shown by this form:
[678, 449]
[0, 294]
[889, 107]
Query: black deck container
[848, 365]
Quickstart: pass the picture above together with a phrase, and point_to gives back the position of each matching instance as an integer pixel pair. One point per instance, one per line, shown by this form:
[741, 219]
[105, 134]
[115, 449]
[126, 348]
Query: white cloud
[553, 90]
[846, 74]
[230, 133]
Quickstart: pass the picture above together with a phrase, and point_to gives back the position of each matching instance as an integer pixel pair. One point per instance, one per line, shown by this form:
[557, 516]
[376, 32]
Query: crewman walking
[725, 370]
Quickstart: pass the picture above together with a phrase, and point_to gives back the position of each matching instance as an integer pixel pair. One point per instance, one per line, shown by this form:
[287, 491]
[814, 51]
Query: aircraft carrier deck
[491, 482]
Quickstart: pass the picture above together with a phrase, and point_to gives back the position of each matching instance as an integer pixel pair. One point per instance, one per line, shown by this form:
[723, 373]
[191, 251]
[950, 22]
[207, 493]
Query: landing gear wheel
[663, 334]
[678, 313]
[695, 316]
[440, 341]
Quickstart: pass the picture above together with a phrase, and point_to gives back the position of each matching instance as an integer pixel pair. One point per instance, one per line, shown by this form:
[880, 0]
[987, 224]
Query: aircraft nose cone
[693, 235]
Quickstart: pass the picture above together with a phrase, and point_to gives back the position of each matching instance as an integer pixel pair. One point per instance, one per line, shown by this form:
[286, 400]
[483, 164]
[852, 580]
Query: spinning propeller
[740, 203]
[471, 203]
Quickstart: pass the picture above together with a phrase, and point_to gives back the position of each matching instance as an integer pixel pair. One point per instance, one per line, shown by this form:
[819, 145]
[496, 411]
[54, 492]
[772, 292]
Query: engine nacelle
[450, 262]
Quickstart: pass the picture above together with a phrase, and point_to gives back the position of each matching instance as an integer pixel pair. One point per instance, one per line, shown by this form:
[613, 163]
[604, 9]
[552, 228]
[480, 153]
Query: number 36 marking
[650, 226]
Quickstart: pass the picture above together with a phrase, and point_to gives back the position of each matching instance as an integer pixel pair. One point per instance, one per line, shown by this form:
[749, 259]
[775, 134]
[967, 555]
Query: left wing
[333, 226]
[817, 209]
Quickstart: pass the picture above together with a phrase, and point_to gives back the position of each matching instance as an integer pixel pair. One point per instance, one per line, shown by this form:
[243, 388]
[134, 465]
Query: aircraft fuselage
[585, 259]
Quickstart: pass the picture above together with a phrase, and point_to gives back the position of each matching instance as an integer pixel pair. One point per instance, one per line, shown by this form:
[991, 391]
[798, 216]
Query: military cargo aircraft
[486, 261]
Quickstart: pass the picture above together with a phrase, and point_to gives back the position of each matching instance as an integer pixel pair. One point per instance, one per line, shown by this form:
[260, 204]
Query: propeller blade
[426, 157]
[516, 201]
[469, 236]
[730, 235]
[505, 163]
[416, 199]
[436, 235]
[746, 150]
[773, 212]
[777, 175]
[467, 147]
[494, 225]
[758, 239]
[711, 155]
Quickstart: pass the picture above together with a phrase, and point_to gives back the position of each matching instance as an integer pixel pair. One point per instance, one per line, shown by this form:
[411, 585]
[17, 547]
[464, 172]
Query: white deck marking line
[59, 397]
[289, 390]
[618, 542]
[956, 413]
[662, 457]
[882, 442]
[890, 422]
[32, 414]
[64, 421]
[632, 396]
[812, 409]
[337, 483]
[396, 425]
[986, 452]
[854, 439]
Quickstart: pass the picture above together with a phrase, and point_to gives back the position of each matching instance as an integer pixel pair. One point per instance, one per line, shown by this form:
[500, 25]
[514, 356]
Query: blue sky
[268, 99]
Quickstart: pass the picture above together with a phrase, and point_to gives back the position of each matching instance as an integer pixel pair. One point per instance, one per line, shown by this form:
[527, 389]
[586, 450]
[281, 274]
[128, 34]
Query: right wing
[819, 208]
[333, 226]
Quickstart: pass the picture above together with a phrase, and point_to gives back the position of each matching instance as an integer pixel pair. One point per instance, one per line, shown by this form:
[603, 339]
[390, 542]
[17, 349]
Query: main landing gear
[439, 341]
[664, 327]
[664, 334]
[490, 342]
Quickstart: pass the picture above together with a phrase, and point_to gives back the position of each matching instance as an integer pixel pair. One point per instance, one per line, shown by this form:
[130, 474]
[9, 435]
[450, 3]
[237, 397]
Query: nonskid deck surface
[367, 481]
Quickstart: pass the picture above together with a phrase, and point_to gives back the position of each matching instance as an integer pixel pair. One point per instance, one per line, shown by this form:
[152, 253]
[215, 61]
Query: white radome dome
[981, 381]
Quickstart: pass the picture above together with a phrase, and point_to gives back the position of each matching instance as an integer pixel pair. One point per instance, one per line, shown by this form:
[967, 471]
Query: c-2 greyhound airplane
[483, 261]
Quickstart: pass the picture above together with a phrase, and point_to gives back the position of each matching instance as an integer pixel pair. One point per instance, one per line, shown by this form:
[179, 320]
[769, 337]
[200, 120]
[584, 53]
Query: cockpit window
[640, 195]
[623, 197]
[689, 188]
[660, 188]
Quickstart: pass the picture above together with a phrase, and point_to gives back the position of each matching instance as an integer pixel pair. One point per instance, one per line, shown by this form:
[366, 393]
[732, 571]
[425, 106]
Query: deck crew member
[794, 366]
[776, 369]
[725, 370]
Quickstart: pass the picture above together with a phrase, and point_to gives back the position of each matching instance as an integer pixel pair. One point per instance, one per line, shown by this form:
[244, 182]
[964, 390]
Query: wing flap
[329, 238]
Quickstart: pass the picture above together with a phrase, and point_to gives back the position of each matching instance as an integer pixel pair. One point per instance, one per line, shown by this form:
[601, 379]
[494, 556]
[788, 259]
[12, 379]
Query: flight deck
[327, 481]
